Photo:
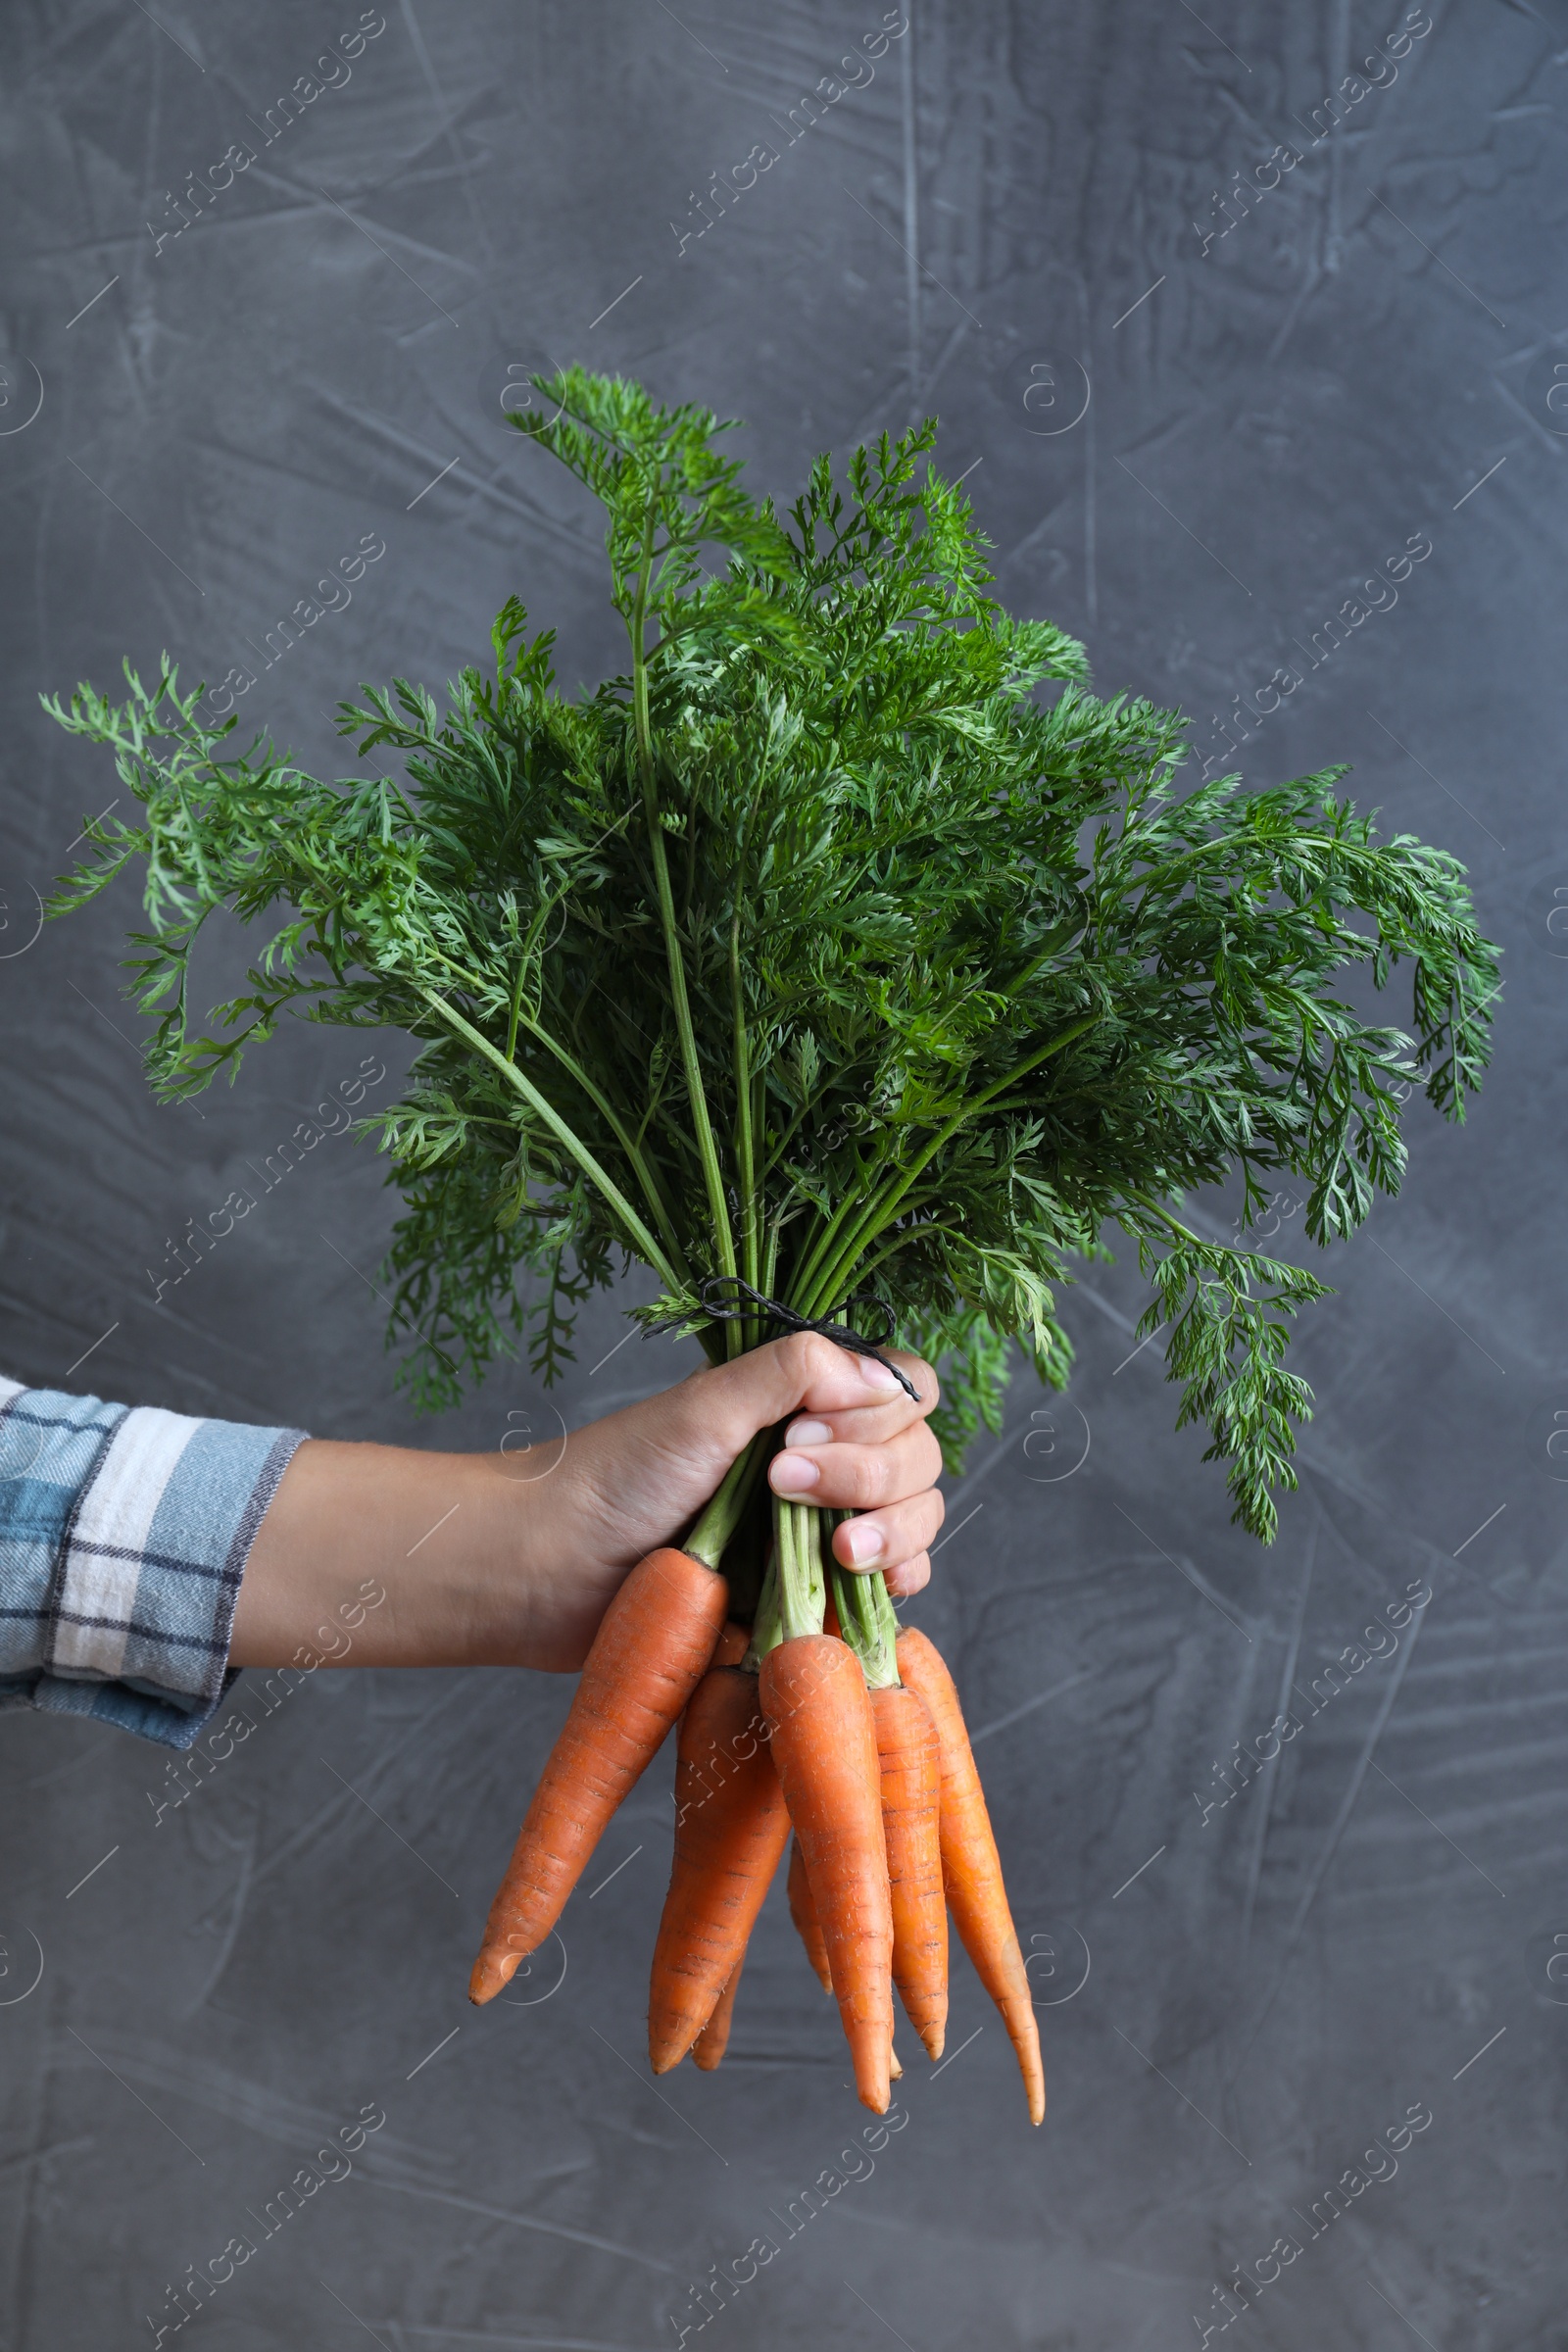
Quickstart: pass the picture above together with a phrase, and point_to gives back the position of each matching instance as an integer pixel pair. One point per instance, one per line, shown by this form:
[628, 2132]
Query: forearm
[459, 1547]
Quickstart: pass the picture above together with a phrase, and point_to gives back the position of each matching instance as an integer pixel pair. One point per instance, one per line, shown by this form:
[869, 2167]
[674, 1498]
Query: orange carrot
[734, 1640]
[971, 1869]
[824, 1748]
[731, 1826]
[653, 1643]
[911, 1796]
[714, 2040]
[804, 1913]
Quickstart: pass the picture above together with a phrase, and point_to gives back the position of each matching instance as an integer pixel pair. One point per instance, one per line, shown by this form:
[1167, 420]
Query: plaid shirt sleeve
[123, 1535]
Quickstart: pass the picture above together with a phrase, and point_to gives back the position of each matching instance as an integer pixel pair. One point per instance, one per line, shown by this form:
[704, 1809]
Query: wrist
[517, 1582]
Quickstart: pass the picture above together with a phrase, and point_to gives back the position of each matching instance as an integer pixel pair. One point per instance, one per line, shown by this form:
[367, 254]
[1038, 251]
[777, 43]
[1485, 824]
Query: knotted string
[776, 1312]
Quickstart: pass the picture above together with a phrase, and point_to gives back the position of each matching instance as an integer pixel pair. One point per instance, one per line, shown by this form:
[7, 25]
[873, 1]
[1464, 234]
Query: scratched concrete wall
[1216, 354]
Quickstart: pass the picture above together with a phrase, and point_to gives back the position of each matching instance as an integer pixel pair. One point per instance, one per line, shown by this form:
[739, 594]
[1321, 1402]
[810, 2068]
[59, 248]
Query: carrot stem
[546, 1111]
[867, 1622]
[723, 1515]
[767, 1631]
[701, 1124]
[830, 1266]
[802, 1595]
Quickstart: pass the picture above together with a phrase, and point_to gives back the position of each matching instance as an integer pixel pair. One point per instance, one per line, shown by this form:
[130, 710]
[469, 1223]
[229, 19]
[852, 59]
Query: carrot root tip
[492, 1972]
[935, 2039]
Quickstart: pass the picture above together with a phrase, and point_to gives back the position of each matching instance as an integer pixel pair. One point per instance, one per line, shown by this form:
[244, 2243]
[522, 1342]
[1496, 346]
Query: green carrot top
[820, 948]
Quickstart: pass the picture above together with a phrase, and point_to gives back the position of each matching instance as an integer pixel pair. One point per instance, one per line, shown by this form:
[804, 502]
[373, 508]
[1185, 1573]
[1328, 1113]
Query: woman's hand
[489, 1562]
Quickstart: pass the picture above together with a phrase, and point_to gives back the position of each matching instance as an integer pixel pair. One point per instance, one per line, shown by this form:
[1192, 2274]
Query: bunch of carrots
[813, 951]
[823, 1716]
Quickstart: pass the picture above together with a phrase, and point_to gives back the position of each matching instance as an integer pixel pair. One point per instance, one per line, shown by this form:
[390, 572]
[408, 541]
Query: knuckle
[843, 1477]
[866, 1475]
[883, 1482]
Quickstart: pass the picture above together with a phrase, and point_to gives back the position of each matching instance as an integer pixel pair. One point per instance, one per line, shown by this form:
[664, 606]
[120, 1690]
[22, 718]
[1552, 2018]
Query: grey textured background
[1284, 407]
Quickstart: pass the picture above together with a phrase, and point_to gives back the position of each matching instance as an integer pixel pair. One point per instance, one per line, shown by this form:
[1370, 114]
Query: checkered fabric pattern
[123, 1535]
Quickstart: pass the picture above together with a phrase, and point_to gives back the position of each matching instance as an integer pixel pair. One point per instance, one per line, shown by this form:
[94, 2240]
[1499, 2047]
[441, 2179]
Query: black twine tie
[839, 1333]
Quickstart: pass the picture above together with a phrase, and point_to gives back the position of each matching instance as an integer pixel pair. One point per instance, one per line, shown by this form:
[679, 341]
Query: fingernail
[879, 1376]
[862, 1542]
[807, 1433]
[793, 1474]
